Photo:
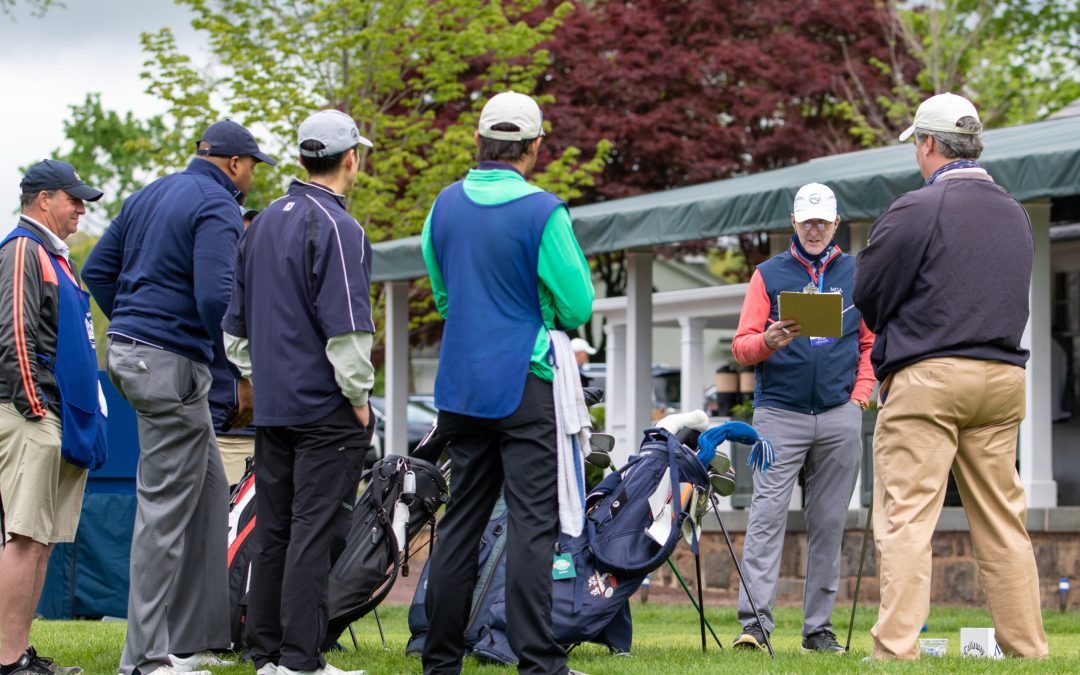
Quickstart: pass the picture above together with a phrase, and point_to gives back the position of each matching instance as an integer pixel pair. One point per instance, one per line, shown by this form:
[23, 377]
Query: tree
[394, 66]
[697, 90]
[37, 7]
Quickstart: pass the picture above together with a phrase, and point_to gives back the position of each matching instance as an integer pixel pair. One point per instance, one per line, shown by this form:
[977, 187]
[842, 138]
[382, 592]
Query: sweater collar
[825, 257]
[209, 169]
[301, 187]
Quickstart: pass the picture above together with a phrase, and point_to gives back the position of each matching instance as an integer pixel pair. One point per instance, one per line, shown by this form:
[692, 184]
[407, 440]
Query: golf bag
[400, 500]
[490, 584]
[241, 547]
[635, 515]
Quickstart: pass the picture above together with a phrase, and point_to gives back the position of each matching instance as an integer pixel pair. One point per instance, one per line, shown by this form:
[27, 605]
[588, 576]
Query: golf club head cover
[762, 456]
[695, 419]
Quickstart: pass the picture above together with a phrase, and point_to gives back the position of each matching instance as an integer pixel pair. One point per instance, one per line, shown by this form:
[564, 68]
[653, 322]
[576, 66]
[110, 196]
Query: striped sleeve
[21, 283]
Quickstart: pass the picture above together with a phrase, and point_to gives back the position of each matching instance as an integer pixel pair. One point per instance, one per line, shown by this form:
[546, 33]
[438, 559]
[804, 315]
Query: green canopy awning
[1033, 161]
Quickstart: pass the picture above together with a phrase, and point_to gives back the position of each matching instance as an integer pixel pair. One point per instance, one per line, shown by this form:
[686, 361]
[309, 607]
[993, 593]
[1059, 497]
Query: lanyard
[820, 277]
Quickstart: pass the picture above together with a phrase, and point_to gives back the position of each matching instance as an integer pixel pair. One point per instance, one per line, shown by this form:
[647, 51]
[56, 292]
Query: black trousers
[515, 454]
[306, 477]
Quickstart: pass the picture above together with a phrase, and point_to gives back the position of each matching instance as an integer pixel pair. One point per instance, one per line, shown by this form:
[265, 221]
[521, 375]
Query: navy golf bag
[490, 584]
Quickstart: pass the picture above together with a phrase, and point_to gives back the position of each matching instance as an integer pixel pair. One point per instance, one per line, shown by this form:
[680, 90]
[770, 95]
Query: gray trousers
[829, 446]
[179, 596]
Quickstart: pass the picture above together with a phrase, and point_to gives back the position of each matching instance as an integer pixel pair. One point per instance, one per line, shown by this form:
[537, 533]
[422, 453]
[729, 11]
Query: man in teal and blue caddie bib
[505, 268]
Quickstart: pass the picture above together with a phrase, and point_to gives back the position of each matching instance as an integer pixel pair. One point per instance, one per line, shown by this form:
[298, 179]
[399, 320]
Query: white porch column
[1036, 438]
[638, 340]
[692, 381]
[396, 440]
[615, 392]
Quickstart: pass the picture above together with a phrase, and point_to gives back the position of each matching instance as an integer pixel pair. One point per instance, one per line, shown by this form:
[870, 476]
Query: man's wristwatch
[862, 404]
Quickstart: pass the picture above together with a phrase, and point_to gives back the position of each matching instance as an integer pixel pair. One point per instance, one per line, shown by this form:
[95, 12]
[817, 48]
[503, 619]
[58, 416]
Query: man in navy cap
[47, 362]
[313, 425]
[162, 273]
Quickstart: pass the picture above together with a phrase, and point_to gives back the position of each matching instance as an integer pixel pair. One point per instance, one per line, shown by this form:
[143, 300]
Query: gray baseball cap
[334, 129]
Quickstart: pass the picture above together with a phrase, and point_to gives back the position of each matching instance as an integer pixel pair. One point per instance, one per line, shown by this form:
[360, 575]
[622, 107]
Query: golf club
[858, 578]
[738, 568]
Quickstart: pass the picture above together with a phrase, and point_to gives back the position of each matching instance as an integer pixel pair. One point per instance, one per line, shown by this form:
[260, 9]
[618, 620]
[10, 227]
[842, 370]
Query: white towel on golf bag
[572, 428]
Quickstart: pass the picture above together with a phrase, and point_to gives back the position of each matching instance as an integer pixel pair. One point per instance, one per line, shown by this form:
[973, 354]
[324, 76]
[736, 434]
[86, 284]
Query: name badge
[562, 567]
[821, 341]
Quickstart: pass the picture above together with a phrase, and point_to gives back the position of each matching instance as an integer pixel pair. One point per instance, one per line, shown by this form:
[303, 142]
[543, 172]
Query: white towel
[573, 426]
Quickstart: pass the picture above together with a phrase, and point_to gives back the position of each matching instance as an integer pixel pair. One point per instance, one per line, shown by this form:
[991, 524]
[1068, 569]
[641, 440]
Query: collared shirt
[303, 277]
[58, 243]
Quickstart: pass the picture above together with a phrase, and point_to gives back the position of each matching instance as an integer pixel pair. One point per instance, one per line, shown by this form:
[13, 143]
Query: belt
[125, 340]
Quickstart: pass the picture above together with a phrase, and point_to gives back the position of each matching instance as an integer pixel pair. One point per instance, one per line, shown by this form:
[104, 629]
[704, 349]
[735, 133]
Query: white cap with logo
[511, 107]
[941, 113]
[334, 129]
[815, 201]
[582, 345]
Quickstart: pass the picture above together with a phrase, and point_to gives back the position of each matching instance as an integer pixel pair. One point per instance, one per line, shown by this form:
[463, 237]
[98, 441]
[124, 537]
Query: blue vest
[83, 442]
[800, 377]
[488, 258]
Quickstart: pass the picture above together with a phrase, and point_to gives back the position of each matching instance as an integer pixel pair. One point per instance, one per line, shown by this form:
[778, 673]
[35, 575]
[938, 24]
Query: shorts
[42, 494]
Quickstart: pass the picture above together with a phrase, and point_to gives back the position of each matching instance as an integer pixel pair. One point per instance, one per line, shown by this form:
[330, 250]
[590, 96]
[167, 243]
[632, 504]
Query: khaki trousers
[234, 453]
[958, 414]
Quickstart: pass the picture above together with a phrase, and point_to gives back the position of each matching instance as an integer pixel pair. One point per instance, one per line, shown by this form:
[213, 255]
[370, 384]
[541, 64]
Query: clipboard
[819, 314]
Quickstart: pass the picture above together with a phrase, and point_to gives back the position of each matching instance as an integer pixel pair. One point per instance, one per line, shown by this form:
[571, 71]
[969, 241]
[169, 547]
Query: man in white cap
[809, 394]
[502, 256]
[582, 350]
[313, 425]
[944, 282]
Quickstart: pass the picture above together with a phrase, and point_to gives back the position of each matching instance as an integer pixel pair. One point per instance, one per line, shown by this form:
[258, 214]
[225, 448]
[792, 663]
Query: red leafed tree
[695, 90]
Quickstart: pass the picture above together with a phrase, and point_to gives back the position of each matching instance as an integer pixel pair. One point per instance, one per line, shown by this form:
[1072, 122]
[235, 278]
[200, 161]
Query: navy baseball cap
[229, 139]
[52, 174]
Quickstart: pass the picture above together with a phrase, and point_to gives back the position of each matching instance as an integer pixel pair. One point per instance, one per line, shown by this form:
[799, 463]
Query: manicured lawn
[666, 640]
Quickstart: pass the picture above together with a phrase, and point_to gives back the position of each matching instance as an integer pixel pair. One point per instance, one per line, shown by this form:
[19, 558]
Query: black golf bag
[401, 499]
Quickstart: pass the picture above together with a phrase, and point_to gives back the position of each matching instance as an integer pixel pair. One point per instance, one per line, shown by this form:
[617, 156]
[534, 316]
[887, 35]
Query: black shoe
[28, 664]
[753, 637]
[822, 641]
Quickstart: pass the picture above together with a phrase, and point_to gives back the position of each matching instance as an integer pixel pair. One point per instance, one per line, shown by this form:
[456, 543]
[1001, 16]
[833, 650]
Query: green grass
[666, 640]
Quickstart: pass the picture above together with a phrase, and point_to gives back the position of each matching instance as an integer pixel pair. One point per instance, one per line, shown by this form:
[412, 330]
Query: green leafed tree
[397, 67]
[1017, 60]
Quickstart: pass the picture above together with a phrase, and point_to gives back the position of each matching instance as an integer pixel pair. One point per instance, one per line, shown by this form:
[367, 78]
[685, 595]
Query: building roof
[1033, 161]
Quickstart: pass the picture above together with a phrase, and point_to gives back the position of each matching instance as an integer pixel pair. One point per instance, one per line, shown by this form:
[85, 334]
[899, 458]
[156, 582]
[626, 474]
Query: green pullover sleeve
[438, 286]
[564, 272]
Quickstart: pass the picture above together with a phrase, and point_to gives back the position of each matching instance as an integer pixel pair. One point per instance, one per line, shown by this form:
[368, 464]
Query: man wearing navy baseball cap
[163, 273]
[45, 450]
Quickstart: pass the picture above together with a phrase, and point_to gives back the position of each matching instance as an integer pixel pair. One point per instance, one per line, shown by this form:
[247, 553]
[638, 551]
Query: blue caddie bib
[83, 431]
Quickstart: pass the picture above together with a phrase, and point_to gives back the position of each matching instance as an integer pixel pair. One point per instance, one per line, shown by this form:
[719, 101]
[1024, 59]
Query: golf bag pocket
[593, 606]
[635, 515]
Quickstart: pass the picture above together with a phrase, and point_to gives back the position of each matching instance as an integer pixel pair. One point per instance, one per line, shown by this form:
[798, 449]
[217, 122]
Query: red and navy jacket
[29, 310]
[802, 377]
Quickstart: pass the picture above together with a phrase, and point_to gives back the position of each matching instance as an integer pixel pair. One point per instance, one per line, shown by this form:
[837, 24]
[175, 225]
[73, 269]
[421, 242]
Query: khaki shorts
[42, 493]
[234, 453]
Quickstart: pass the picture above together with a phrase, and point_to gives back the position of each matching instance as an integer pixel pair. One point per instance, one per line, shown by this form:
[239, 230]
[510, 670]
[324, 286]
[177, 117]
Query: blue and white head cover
[762, 454]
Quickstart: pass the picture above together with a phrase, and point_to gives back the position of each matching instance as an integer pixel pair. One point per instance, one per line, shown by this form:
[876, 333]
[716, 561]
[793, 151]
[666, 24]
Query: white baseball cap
[582, 345]
[815, 201]
[334, 129]
[511, 107]
[941, 113]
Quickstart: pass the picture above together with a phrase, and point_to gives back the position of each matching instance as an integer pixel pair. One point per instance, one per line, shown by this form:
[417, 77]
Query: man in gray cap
[313, 425]
[47, 363]
[162, 273]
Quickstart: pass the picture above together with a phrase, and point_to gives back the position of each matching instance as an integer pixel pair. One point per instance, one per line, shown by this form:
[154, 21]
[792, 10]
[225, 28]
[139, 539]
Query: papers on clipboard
[819, 314]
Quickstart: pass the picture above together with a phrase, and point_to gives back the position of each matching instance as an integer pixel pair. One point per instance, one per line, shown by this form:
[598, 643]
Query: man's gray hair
[26, 199]
[956, 145]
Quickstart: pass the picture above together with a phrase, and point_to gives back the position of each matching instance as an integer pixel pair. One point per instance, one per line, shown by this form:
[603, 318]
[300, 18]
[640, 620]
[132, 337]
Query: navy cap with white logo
[52, 174]
[229, 139]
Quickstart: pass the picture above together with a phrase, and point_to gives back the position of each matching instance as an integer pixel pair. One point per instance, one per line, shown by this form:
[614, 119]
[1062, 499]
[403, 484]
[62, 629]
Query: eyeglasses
[821, 225]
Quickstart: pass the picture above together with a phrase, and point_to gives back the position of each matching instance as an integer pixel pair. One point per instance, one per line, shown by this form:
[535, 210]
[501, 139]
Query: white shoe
[199, 660]
[169, 670]
[267, 669]
[328, 669]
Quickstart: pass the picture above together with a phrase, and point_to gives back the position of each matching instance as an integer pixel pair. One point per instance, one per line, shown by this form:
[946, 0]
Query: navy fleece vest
[488, 257]
[799, 377]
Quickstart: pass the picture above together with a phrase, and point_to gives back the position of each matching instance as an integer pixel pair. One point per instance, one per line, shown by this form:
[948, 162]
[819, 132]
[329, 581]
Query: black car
[419, 419]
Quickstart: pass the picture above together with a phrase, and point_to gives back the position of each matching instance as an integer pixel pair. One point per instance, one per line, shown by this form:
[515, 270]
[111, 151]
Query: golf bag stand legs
[686, 589]
[858, 579]
[738, 568]
[700, 598]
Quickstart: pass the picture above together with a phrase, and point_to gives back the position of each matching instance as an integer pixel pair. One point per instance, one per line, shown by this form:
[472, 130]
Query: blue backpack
[620, 515]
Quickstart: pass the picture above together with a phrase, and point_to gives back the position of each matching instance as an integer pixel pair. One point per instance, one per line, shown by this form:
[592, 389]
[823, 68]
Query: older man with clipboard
[813, 379]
